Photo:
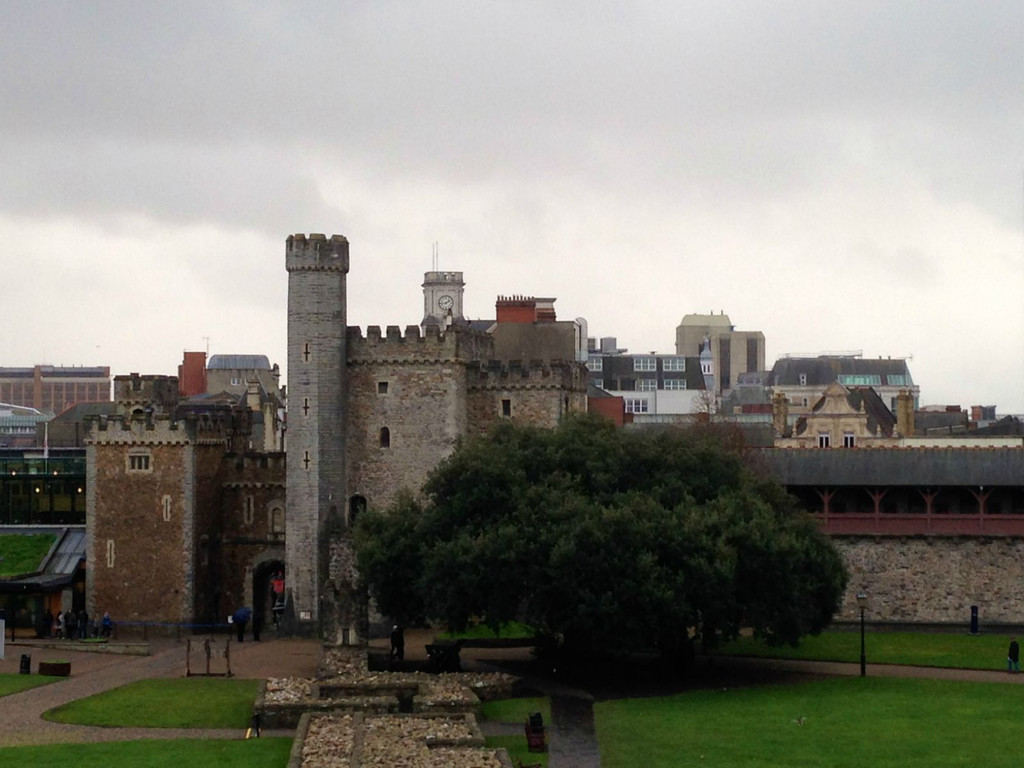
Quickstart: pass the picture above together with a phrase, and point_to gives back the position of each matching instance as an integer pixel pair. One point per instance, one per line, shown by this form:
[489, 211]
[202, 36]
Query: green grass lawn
[511, 630]
[194, 753]
[23, 553]
[516, 710]
[938, 649]
[16, 683]
[173, 703]
[863, 722]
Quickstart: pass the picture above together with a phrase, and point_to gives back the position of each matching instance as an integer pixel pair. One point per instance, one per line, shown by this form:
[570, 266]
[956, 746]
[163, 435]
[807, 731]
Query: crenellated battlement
[412, 345]
[316, 252]
[528, 374]
[122, 429]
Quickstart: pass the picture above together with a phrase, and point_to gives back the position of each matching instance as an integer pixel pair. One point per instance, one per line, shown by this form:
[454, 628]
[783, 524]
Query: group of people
[71, 625]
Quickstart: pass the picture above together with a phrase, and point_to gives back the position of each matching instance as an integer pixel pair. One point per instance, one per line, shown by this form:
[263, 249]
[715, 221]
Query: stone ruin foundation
[349, 717]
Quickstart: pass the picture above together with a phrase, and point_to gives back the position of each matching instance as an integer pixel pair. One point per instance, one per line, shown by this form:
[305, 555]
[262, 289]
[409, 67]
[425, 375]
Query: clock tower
[442, 296]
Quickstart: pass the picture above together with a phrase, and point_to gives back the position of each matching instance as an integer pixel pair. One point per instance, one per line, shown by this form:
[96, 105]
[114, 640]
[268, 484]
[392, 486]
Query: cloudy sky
[840, 175]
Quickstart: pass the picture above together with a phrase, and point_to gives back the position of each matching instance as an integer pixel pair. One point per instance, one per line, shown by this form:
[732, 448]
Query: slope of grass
[177, 703]
[938, 649]
[23, 553]
[862, 722]
[194, 753]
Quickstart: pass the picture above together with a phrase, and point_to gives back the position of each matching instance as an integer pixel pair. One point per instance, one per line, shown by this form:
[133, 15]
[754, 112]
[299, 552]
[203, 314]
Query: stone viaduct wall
[918, 579]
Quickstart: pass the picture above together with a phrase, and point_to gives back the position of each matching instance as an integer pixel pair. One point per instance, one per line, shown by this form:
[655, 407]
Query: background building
[803, 379]
[52, 389]
[734, 352]
[650, 384]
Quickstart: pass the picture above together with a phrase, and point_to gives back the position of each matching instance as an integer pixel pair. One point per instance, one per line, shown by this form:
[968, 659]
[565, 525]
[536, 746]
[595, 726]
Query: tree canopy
[612, 539]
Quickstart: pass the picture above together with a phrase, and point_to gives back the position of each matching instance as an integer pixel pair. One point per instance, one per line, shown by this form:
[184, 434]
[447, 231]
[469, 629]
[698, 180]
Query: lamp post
[862, 602]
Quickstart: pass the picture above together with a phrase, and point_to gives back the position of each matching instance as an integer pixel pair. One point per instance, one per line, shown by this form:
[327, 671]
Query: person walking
[239, 618]
[397, 643]
[1013, 656]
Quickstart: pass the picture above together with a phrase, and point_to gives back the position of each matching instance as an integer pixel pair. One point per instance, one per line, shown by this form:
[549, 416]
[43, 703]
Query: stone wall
[138, 551]
[404, 416]
[538, 393]
[934, 579]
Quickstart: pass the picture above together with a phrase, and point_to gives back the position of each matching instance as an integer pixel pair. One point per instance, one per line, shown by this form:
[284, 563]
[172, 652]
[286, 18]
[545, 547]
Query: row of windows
[860, 380]
[650, 385]
[825, 440]
[644, 363]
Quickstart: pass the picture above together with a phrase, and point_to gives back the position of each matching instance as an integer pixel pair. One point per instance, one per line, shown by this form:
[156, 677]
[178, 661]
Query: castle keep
[369, 415]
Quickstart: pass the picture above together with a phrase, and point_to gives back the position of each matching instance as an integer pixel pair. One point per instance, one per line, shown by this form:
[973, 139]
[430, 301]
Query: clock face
[445, 302]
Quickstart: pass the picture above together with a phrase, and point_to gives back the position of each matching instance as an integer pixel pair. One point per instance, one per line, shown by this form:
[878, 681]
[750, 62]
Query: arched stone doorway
[268, 580]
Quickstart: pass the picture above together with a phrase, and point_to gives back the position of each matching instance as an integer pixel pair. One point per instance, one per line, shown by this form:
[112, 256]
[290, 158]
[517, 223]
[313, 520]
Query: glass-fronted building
[39, 487]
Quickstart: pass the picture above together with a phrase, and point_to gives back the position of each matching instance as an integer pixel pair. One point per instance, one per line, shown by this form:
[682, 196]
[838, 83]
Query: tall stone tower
[317, 269]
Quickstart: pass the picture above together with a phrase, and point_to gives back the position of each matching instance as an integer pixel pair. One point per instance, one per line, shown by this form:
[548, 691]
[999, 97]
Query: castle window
[385, 437]
[506, 408]
[166, 504]
[139, 462]
[276, 522]
[250, 509]
[110, 553]
[849, 440]
[305, 352]
[382, 387]
[824, 441]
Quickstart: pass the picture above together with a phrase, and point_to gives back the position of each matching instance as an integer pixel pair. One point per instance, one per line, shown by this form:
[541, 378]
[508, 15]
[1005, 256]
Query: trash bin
[974, 619]
[26, 664]
[535, 739]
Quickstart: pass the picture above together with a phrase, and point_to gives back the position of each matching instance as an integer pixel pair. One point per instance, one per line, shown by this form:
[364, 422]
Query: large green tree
[610, 539]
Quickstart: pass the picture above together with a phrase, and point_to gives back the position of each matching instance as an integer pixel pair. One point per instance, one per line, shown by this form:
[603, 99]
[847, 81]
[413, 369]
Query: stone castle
[371, 414]
[192, 505]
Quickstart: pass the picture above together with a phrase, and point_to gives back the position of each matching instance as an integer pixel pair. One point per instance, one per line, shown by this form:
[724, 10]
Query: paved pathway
[21, 713]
